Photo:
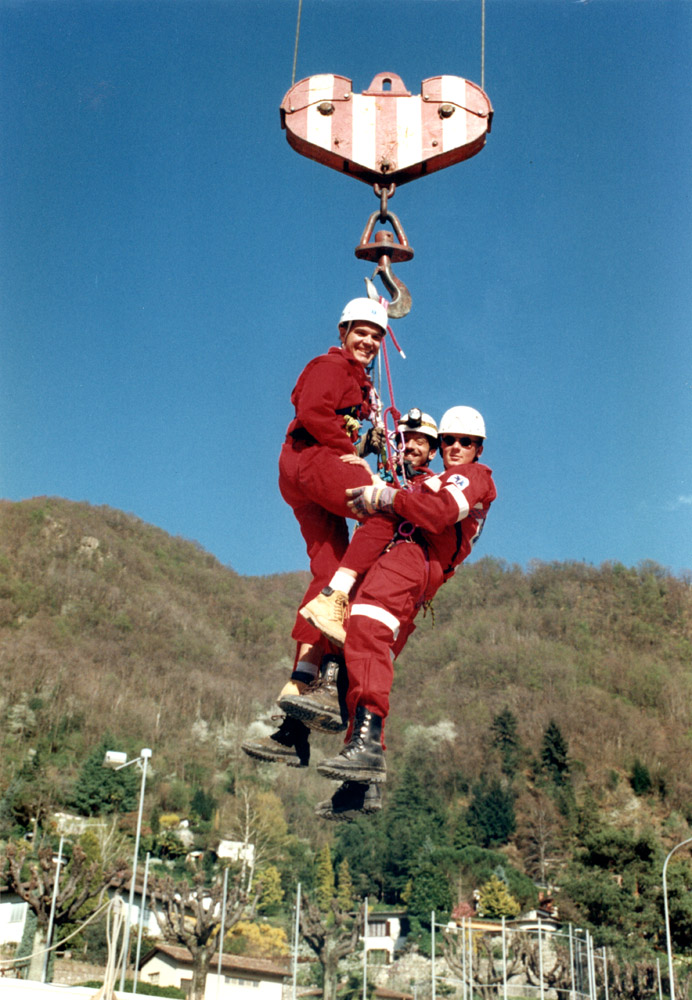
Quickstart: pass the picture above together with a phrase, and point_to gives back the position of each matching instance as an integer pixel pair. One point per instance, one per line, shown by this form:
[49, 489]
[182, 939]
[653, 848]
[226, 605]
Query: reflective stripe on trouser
[386, 603]
[314, 480]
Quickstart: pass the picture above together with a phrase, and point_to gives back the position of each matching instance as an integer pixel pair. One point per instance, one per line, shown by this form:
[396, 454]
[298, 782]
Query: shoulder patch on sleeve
[461, 481]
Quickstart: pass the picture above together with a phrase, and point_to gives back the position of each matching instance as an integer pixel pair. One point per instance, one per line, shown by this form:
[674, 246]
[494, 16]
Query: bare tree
[549, 965]
[485, 972]
[537, 835]
[33, 879]
[331, 936]
[190, 913]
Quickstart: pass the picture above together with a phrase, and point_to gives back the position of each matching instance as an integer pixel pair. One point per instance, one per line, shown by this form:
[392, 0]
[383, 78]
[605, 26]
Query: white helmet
[419, 422]
[365, 310]
[463, 420]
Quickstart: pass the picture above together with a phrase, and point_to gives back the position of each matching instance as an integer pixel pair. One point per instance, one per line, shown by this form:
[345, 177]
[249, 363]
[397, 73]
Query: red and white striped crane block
[386, 135]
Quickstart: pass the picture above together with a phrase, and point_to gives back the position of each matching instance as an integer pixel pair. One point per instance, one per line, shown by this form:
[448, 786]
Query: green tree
[640, 778]
[495, 899]
[344, 893]
[491, 813]
[615, 881]
[325, 889]
[202, 805]
[101, 790]
[269, 879]
[429, 890]
[363, 843]
[554, 750]
[414, 825]
[505, 740]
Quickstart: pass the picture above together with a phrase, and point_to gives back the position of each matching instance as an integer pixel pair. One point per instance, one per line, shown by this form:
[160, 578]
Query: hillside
[110, 626]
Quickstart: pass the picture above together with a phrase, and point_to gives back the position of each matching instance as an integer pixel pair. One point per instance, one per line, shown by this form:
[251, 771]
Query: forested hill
[566, 673]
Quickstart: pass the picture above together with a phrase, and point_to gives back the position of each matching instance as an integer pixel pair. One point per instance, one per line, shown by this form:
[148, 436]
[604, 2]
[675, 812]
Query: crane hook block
[386, 134]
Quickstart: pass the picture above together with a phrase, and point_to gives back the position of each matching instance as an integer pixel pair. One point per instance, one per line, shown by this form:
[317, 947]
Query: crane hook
[400, 304]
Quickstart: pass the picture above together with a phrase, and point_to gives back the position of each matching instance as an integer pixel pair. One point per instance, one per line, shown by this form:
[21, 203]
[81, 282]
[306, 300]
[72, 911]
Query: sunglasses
[449, 439]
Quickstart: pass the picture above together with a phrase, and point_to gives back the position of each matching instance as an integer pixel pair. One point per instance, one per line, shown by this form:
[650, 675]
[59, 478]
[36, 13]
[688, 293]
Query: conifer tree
[491, 813]
[496, 901]
[324, 879]
[345, 886]
[554, 754]
[505, 739]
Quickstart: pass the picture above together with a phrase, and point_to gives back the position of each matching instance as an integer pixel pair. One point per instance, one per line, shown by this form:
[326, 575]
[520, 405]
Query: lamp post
[671, 979]
[49, 935]
[117, 760]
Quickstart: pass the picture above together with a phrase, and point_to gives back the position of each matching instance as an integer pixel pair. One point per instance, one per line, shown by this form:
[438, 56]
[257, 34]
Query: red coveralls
[312, 477]
[450, 510]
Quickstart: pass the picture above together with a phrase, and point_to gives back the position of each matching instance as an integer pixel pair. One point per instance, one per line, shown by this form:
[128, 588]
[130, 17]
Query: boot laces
[338, 607]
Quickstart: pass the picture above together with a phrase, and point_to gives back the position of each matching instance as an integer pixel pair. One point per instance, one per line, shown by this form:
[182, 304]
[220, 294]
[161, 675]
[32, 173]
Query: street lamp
[671, 980]
[117, 760]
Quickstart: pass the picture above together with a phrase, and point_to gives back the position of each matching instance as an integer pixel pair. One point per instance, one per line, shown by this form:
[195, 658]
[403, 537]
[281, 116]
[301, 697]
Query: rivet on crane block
[386, 134]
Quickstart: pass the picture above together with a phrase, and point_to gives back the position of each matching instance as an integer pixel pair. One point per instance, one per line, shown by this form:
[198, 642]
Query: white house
[385, 936]
[13, 911]
[241, 978]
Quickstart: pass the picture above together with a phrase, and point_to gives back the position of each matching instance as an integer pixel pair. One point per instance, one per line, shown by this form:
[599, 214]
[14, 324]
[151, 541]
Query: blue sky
[170, 263]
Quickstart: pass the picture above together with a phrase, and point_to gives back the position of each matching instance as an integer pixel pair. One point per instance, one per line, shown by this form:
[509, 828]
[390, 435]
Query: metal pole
[51, 918]
[592, 969]
[141, 921]
[540, 956]
[295, 942]
[365, 950]
[144, 757]
[504, 960]
[463, 953]
[669, 947]
[432, 965]
[470, 959]
[222, 930]
[571, 961]
[658, 974]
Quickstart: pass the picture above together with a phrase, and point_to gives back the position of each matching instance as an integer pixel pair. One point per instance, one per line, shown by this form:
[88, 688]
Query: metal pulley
[386, 134]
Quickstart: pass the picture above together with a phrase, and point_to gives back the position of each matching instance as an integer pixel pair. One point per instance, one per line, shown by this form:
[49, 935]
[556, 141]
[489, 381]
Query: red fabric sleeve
[435, 510]
[325, 386]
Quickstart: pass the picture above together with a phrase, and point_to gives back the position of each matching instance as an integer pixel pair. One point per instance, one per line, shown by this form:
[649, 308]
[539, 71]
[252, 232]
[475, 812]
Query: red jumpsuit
[372, 537]
[450, 511]
[312, 477]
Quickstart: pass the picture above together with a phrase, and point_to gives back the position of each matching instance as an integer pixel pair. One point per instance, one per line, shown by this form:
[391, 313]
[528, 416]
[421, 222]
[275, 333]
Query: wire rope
[295, 50]
[482, 44]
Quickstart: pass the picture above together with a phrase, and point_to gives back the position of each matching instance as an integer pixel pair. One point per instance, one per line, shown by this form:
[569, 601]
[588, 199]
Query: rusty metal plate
[386, 134]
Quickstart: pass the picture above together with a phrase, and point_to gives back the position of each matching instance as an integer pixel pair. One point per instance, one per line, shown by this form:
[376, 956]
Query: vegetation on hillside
[539, 733]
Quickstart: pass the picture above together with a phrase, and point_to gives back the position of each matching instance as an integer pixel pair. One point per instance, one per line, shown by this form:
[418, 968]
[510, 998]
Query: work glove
[372, 442]
[364, 500]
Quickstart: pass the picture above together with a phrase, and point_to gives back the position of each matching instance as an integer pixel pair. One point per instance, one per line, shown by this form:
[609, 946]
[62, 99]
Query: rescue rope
[295, 51]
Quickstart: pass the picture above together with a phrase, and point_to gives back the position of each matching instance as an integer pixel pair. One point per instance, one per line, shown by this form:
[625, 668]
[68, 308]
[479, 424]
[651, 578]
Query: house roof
[229, 963]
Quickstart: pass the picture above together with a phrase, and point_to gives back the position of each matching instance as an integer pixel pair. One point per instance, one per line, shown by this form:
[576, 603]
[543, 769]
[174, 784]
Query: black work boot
[353, 798]
[362, 759]
[321, 706]
[288, 745]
